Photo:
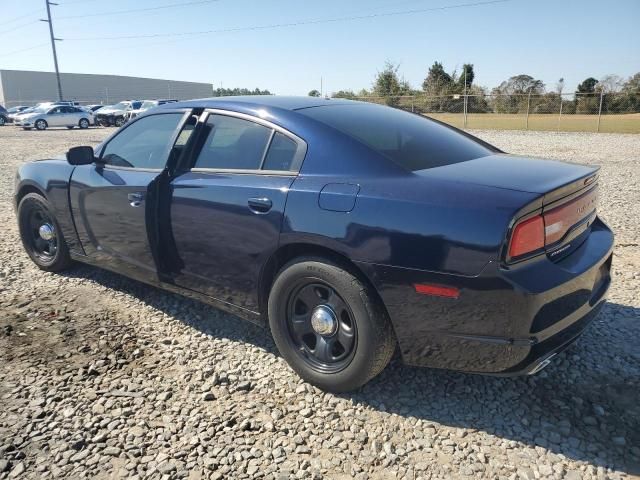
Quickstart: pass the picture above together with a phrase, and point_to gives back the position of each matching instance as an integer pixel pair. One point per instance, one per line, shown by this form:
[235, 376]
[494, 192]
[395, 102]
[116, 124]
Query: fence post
[413, 100]
[528, 104]
[600, 109]
[560, 115]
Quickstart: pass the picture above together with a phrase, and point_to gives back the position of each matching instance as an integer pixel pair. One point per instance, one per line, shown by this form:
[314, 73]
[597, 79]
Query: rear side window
[411, 141]
[233, 143]
[281, 153]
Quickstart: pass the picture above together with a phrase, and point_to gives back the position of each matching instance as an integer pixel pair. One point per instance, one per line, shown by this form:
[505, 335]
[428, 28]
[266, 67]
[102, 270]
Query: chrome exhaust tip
[542, 364]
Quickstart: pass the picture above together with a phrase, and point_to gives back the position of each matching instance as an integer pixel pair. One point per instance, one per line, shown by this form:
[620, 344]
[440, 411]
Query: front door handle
[135, 199]
[259, 205]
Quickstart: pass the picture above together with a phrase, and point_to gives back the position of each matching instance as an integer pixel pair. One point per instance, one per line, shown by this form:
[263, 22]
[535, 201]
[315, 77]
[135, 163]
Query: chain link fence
[590, 112]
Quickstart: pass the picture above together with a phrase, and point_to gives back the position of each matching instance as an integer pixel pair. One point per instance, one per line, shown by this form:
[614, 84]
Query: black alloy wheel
[329, 324]
[322, 327]
[41, 235]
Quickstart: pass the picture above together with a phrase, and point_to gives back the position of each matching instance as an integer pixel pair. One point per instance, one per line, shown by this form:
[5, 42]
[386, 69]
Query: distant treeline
[515, 95]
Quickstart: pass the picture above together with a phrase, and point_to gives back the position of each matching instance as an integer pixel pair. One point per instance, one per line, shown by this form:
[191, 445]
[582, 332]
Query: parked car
[347, 228]
[4, 116]
[146, 105]
[114, 115]
[42, 118]
[13, 111]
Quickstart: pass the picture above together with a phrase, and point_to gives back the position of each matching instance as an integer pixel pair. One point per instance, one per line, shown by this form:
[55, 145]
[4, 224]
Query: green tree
[438, 81]
[587, 86]
[468, 68]
[387, 84]
[343, 94]
[226, 92]
[585, 99]
[314, 93]
[511, 96]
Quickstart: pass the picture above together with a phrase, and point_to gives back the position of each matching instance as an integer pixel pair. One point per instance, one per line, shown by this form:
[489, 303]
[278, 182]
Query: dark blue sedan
[350, 229]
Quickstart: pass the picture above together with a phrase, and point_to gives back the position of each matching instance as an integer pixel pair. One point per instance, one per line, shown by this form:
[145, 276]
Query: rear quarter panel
[406, 221]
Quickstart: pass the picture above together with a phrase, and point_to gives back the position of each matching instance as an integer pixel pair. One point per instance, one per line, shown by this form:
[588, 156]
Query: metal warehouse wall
[19, 87]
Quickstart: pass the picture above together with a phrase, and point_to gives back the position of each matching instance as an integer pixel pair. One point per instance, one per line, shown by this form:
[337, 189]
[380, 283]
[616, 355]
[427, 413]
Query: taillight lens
[552, 225]
[527, 237]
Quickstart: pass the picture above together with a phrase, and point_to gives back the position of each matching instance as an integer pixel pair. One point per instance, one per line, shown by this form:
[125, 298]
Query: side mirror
[80, 156]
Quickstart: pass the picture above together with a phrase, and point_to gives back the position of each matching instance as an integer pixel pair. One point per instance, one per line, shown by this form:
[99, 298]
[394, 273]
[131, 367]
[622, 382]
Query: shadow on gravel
[584, 406]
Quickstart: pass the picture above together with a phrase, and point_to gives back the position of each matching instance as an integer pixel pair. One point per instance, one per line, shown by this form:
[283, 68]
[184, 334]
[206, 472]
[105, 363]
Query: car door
[73, 116]
[226, 210]
[55, 117]
[109, 199]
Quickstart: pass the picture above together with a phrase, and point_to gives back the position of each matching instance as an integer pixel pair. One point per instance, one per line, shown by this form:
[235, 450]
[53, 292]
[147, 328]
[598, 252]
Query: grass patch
[619, 123]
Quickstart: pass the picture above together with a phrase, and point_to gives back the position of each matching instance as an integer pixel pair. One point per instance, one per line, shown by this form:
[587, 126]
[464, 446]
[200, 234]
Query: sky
[546, 39]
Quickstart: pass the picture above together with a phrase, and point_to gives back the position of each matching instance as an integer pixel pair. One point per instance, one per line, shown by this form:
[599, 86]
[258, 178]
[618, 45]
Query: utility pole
[53, 45]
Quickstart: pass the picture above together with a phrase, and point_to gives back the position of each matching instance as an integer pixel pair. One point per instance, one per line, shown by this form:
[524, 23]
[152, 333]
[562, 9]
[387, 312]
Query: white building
[21, 87]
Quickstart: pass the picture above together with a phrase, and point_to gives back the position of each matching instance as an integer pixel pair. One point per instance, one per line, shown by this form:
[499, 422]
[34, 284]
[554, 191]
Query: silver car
[54, 116]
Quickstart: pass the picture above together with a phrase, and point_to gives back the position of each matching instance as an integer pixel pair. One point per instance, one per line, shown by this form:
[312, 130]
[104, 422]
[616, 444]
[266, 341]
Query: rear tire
[36, 222]
[83, 123]
[41, 125]
[355, 342]
[3, 121]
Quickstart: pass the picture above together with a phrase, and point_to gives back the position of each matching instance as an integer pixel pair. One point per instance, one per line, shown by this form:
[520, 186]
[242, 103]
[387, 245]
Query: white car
[146, 105]
[42, 118]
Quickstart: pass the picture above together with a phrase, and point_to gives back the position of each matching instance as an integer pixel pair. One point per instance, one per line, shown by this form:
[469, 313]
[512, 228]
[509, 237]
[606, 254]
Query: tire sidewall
[61, 259]
[352, 291]
[41, 125]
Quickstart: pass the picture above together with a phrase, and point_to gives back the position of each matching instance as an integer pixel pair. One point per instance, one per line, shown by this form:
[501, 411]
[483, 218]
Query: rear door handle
[135, 199]
[260, 205]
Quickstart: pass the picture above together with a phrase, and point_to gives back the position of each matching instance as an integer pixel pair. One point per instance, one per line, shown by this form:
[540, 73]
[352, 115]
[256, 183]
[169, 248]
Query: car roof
[274, 101]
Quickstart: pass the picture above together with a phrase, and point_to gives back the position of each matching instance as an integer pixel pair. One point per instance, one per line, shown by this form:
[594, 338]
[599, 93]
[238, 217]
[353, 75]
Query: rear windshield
[411, 141]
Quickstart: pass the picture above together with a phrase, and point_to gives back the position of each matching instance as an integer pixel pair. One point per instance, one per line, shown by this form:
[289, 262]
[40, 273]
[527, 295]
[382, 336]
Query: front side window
[143, 144]
[233, 143]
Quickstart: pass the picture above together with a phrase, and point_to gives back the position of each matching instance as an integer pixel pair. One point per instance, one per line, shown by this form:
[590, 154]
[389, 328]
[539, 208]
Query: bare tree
[611, 83]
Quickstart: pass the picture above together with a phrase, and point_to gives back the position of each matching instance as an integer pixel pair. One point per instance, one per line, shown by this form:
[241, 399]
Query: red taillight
[528, 236]
[437, 290]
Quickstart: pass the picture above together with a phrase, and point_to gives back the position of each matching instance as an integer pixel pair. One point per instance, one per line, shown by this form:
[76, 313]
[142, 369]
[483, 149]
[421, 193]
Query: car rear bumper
[504, 321]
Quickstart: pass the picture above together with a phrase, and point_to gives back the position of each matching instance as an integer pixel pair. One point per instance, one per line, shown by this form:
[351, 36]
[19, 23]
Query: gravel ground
[103, 377]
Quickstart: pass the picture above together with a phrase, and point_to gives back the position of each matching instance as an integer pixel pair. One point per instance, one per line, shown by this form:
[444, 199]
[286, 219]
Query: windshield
[120, 106]
[148, 104]
[412, 141]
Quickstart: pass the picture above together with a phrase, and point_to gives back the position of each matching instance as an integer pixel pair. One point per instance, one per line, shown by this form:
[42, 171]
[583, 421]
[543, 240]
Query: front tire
[41, 125]
[119, 121]
[41, 235]
[329, 326]
[3, 121]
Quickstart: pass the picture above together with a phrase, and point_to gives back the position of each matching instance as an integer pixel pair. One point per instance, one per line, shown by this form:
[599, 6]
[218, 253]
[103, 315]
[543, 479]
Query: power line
[297, 23]
[23, 50]
[21, 16]
[138, 10]
[4, 32]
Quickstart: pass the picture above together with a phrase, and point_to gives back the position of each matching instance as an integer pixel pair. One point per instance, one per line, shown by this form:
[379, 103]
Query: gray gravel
[103, 377]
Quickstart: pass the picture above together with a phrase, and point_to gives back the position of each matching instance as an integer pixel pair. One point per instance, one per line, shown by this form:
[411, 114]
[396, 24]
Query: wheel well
[289, 252]
[25, 190]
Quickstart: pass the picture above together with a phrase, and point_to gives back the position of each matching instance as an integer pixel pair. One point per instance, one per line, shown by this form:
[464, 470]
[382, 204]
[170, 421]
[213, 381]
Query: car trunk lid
[565, 208]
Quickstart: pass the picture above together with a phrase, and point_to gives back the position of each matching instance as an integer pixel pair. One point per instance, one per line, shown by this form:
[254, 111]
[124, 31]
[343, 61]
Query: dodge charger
[350, 230]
